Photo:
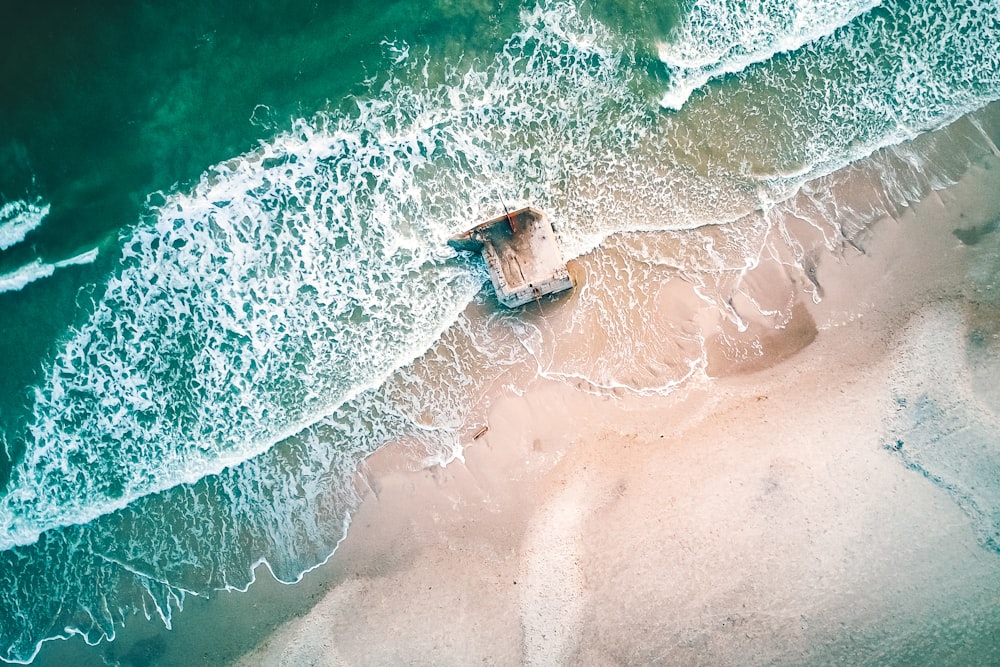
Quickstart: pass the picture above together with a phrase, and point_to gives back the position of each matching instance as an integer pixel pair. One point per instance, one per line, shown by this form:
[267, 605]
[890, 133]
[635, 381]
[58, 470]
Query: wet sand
[759, 515]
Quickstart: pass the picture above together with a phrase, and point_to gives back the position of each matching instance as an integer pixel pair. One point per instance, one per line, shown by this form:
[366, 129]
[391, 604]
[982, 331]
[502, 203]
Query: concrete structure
[521, 253]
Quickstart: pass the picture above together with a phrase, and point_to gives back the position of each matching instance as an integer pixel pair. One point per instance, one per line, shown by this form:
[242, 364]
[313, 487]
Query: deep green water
[267, 188]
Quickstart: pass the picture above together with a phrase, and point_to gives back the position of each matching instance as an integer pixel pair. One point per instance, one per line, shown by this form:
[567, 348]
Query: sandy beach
[820, 490]
[763, 514]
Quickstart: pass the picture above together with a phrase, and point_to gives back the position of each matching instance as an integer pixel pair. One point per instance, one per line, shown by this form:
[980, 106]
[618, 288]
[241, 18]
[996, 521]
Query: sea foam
[17, 218]
[38, 269]
[715, 38]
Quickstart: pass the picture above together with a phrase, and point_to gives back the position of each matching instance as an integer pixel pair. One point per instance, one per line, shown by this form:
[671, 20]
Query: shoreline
[752, 518]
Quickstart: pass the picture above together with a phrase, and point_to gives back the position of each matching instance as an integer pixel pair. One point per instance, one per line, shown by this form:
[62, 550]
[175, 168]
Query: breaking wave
[17, 218]
[718, 38]
[38, 269]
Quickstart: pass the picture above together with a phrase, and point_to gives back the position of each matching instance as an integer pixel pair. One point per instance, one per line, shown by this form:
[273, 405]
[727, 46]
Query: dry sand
[755, 517]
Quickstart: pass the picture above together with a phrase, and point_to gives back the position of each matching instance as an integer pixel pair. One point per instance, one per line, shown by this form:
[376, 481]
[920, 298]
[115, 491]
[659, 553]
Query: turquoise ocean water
[223, 276]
